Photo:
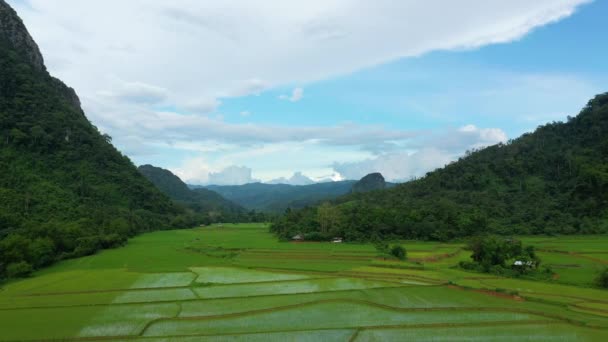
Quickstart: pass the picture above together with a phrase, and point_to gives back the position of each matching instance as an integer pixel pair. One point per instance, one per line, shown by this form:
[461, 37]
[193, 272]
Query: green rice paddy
[237, 282]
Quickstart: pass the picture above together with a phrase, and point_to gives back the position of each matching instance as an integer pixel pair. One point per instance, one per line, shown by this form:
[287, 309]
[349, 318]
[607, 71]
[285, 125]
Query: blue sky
[333, 89]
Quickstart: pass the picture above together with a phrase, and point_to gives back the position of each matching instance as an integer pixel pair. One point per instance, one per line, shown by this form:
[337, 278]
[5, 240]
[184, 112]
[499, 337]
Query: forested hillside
[552, 181]
[65, 191]
[205, 206]
[278, 197]
[371, 182]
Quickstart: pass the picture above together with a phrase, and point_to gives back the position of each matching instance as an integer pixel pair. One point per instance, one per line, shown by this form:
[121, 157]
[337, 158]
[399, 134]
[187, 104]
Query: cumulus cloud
[137, 92]
[153, 126]
[296, 95]
[202, 106]
[396, 166]
[187, 56]
[424, 155]
[465, 138]
[298, 178]
[232, 175]
[193, 171]
[214, 49]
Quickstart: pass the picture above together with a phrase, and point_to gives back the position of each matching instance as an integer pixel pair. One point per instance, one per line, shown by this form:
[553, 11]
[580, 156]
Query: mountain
[278, 197]
[209, 203]
[371, 182]
[551, 181]
[65, 191]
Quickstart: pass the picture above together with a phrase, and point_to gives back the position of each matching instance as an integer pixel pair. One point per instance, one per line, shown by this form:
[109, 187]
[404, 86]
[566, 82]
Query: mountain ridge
[551, 181]
[210, 204]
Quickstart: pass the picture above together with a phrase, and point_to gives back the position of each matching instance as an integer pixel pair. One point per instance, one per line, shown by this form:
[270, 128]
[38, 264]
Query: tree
[330, 219]
[602, 278]
[399, 252]
[499, 254]
[19, 269]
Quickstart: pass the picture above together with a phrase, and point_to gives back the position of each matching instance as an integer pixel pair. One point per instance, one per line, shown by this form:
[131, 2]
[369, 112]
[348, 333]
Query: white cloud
[187, 55]
[425, 154]
[245, 113]
[193, 171]
[209, 49]
[153, 126]
[202, 106]
[296, 95]
[198, 171]
[466, 137]
[232, 175]
[396, 166]
[137, 92]
[298, 178]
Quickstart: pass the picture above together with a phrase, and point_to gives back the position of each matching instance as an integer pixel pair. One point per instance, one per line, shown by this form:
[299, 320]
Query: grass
[237, 282]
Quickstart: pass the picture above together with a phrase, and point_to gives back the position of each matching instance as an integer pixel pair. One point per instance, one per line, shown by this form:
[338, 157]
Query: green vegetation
[65, 191]
[237, 282]
[371, 182]
[552, 181]
[204, 206]
[394, 251]
[602, 279]
[500, 255]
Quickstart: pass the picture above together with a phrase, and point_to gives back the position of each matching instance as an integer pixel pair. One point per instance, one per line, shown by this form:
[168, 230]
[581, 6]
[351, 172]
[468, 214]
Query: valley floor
[236, 282]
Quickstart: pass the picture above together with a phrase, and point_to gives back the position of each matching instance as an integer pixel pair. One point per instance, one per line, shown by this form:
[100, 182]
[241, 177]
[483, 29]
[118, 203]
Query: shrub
[19, 269]
[602, 279]
[399, 252]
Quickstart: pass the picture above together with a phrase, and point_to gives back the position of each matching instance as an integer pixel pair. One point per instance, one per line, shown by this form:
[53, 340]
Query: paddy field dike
[237, 282]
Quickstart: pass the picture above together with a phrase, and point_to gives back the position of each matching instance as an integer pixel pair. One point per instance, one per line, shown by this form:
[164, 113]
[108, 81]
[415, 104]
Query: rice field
[237, 282]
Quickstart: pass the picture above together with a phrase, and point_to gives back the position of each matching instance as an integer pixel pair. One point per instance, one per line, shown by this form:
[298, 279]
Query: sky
[232, 92]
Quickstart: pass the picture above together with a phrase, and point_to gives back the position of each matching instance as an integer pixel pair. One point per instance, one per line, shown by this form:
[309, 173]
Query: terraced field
[236, 282]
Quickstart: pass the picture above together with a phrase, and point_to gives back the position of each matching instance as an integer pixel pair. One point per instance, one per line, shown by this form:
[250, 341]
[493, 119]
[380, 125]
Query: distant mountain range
[278, 197]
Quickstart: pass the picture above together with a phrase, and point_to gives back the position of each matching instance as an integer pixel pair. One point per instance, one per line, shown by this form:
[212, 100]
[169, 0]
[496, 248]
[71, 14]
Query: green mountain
[276, 198]
[210, 204]
[65, 190]
[371, 182]
[552, 181]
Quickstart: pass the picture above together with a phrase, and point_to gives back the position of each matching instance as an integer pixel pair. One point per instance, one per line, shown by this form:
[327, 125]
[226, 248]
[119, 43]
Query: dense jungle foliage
[65, 191]
[551, 181]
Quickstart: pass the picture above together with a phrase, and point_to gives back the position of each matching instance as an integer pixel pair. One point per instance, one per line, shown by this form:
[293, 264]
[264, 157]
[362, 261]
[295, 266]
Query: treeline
[65, 191]
[552, 181]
